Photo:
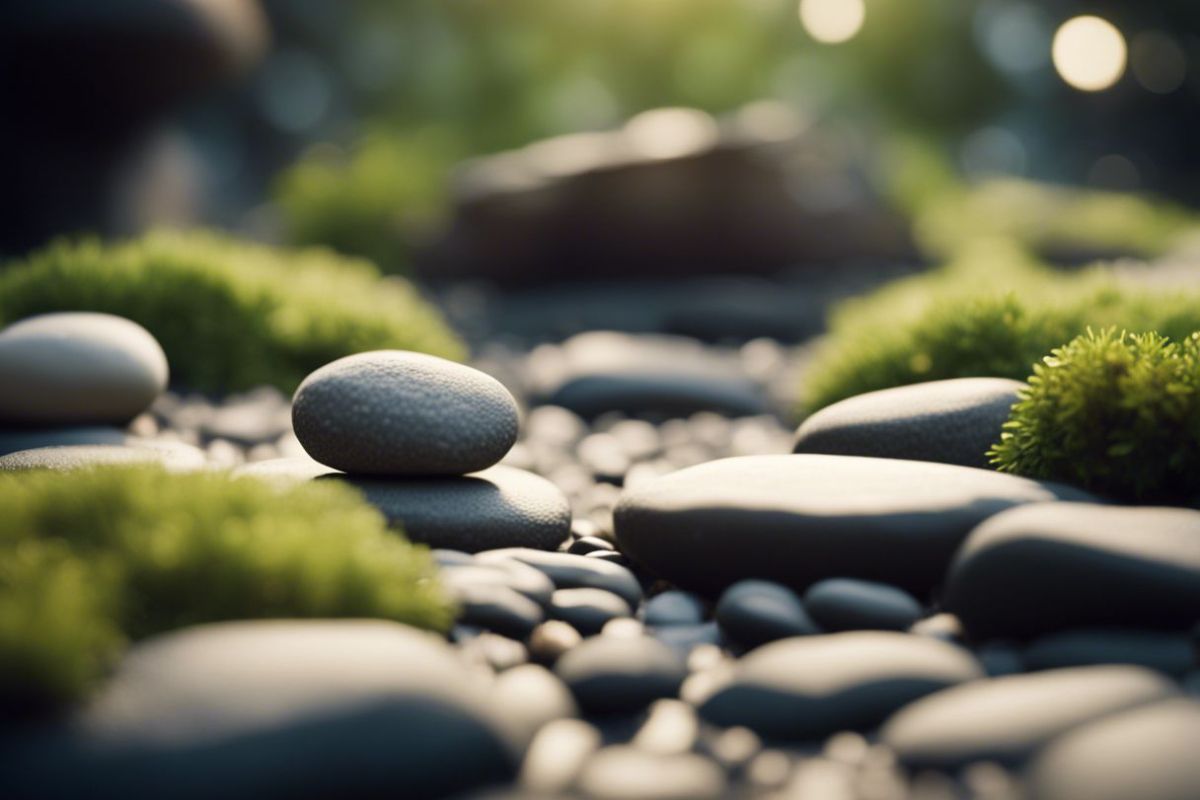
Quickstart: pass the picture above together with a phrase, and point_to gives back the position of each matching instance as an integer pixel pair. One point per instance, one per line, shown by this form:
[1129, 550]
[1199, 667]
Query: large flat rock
[796, 519]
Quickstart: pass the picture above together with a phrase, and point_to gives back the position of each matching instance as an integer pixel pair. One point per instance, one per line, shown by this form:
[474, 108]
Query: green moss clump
[96, 558]
[992, 312]
[230, 314]
[1115, 413]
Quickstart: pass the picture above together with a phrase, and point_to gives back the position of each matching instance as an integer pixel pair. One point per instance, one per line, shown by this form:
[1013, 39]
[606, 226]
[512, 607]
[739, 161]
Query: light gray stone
[78, 367]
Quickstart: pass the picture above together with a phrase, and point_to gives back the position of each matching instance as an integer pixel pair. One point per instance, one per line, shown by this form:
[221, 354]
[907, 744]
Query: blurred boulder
[673, 193]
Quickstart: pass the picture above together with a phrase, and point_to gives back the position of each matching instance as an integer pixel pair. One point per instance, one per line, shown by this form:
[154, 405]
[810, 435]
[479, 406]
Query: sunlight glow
[832, 21]
[1089, 53]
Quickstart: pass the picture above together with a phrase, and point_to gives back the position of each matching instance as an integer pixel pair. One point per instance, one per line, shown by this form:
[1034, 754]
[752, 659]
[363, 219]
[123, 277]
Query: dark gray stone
[569, 571]
[754, 612]
[673, 607]
[1052, 567]
[1148, 753]
[846, 604]
[399, 413]
[797, 519]
[513, 575]
[495, 607]
[813, 686]
[951, 422]
[77, 367]
[499, 507]
[1006, 720]
[620, 674]
[587, 610]
[1168, 652]
[280, 709]
[589, 544]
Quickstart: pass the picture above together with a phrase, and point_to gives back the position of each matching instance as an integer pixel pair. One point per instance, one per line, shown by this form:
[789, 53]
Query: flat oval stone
[952, 422]
[495, 608]
[78, 367]
[13, 440]
[620, 674]
[754, 612]
[569, 571]
[587, 610]
[257, 709]
[175, 456]
[514, 575]
[810, 687]
[1052, 567]
[1148, 753]
[796, 519]
[498, 507]
[846, 604]
[390, 412]
[1006, 720]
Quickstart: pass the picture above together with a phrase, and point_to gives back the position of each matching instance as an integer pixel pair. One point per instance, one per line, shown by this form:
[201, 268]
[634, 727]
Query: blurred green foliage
[231, 315]
[436, 82]
[993, 311]
[97, 558]
[1116, 413]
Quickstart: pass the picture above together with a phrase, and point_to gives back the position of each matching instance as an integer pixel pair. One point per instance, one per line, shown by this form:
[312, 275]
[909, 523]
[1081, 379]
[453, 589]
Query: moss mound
[992, 312]
[96, 558]
[1116, 413]
[230, 314]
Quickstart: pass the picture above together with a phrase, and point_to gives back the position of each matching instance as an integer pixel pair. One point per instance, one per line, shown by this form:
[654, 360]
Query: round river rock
[390, 412]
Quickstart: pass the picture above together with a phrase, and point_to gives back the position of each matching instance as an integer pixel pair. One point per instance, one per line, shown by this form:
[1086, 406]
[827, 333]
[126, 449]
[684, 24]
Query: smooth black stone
[498, 507]
[846, 604]
[569, 571]
[496, 608]
[1171, 653]
[589, 544]
[1060, 566]
[796, 519]
[587, 610]
[813, 686]
[618, 674]
[1007, 720]
[673, 607]
[952, 422]
[1147, 753]
[753, 613]
[274, 710]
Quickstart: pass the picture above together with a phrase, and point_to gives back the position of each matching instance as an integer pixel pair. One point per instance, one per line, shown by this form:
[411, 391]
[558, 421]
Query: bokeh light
[832, 21]
[1089, 53]
[1158, 62]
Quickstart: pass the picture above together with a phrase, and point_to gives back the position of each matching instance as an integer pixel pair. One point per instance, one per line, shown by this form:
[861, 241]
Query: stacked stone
[70, 383]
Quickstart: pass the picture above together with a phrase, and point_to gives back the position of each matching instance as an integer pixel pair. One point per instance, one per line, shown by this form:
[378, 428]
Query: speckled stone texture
[171, 455]
[951, 422]
[390, 412]
[498, 507]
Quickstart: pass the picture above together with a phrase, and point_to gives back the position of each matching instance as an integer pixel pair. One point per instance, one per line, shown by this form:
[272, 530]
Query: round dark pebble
[620, 674]
[846, 604]
[587, 610]
[754, 612]
[673, 607]
[590, 544]
[570, 571]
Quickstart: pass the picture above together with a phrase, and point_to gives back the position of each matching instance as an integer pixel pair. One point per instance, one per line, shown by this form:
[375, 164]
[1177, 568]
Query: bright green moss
[230, 314]
[96, 558]
[992, 312]
[1115, 413]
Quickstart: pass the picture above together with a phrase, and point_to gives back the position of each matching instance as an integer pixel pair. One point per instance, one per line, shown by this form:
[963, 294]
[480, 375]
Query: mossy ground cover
[230, 314]
[1113, 412]
[94, 559]
[993, 311]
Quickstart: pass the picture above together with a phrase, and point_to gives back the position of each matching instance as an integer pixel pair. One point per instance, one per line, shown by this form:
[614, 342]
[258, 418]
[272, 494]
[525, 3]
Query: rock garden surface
[661, 589]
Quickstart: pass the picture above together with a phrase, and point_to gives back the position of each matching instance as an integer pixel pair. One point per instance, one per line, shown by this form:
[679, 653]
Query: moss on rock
[1115, 413]
[231, 314]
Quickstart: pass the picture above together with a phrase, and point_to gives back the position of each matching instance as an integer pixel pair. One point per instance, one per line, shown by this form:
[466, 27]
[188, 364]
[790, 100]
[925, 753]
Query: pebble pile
[656, 606]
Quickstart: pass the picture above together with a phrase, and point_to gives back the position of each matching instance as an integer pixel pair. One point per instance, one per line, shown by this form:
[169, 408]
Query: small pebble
[587, 610]
[550, 640]
[754, 612]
